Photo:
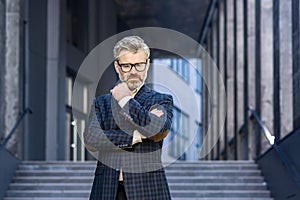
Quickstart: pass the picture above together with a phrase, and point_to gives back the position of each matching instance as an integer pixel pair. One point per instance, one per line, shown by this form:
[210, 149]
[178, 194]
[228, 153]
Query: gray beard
[134, 85]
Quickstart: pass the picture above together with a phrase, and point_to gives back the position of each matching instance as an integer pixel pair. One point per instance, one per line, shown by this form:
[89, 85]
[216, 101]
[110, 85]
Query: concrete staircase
[211, 180]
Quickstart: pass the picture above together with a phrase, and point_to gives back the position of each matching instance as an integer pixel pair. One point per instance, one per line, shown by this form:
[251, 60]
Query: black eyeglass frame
[132, 65]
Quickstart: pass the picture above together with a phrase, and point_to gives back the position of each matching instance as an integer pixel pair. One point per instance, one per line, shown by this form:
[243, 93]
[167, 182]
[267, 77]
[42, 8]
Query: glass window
[185, 69]
[179, 130]
[75, 150]
[198, 142]
[69, 86]
[198, 76]
[77, 23]
[180, 66]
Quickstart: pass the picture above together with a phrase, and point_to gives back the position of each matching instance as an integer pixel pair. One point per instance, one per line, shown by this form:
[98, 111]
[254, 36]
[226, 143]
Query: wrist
[122, 102]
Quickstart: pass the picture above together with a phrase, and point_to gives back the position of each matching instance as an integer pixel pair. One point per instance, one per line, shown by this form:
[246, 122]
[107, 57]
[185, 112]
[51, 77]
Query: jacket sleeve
[148, 124]
[96, 138]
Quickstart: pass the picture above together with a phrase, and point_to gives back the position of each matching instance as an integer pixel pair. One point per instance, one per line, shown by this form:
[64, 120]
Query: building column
[286, 68]
[2, 69]
[230, 78]
[61, 104]
[35, 13]
[222, 106]
[296, 62]
[215, 124]
[10, 79]
[251, 76]
[240, 81]
[205, 104]
[52, 82]
[267, 80]
[208, 73]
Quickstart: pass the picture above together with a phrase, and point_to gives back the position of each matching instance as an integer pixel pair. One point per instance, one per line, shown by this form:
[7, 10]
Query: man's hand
[157, 112]
[160, 136]
[120, 91]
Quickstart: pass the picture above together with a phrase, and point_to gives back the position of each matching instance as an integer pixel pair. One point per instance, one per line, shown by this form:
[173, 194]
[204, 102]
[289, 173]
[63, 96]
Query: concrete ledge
[8, 167]
[279, 179]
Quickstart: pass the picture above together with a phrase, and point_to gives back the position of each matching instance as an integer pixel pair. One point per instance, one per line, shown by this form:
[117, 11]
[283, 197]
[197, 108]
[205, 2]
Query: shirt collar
[135, 91]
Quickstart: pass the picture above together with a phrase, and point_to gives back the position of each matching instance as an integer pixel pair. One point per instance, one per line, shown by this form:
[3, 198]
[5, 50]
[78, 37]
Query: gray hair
[132, 44]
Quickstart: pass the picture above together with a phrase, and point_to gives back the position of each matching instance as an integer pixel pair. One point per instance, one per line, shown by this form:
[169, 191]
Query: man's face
[133, 78]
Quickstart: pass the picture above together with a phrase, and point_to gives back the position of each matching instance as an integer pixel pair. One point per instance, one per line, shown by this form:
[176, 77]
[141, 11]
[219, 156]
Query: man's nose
[133, 70]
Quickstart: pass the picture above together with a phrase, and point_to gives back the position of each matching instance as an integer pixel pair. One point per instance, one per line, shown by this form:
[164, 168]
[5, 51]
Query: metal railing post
[271, 139]
[27, 110]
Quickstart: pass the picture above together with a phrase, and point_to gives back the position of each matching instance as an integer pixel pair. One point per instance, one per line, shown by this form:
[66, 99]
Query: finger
[154, 111]
[158, 113]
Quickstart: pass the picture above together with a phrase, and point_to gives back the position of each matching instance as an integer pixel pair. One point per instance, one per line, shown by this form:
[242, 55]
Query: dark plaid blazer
[109, 133]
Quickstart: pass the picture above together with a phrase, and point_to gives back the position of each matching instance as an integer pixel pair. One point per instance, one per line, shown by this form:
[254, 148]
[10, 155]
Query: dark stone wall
[281, 168]
[36, 53]
[296, 61]
[2, 64]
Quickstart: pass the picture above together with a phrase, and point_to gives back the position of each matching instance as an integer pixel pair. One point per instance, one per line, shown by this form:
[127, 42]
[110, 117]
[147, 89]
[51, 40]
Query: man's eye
[126, 66]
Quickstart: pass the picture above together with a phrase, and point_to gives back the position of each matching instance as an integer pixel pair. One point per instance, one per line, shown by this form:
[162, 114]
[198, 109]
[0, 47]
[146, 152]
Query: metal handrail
[267, 133]
[284, 159]
[26, 111]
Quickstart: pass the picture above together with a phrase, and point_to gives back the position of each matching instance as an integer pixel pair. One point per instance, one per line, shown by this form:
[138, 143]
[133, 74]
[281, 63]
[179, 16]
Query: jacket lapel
[142, 94]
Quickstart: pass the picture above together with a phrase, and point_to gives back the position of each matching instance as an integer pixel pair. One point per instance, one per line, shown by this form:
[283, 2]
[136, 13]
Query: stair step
[213, 179]
[219, 198]
[60, 179]
[173, 167]
[186, 193]
[46, 193]
[174, 198]
[45, 198]
[237, 162]
[205, 164]
[232, 173]
[173, 186]
[217, 186]
[220, 193]
[204, 180]
[50, 186]
[89, 179]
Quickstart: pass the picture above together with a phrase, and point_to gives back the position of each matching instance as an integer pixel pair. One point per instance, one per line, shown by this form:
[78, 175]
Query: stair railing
[26, 111]
[271, 139]
[265, 130]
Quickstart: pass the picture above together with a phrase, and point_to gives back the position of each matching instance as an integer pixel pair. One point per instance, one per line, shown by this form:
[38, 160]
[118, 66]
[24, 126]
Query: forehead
[132, 57]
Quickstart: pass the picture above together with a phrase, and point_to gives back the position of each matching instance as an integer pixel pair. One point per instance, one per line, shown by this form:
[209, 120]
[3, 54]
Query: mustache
[134, 76]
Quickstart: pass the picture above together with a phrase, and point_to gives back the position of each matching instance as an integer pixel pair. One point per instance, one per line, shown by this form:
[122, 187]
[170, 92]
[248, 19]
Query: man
[127, 128]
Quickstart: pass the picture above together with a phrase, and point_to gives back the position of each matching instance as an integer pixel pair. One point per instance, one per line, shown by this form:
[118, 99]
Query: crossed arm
[153, 124]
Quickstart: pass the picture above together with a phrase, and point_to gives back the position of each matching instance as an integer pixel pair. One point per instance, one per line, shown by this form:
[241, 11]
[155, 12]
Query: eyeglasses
[127, 67]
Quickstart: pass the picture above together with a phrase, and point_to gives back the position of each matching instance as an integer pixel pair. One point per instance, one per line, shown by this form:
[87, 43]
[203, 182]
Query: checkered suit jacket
[110, 132]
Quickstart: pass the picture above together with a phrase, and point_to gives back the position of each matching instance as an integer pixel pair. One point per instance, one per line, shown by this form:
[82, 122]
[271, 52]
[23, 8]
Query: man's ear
[148, 63]
[116, 66]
